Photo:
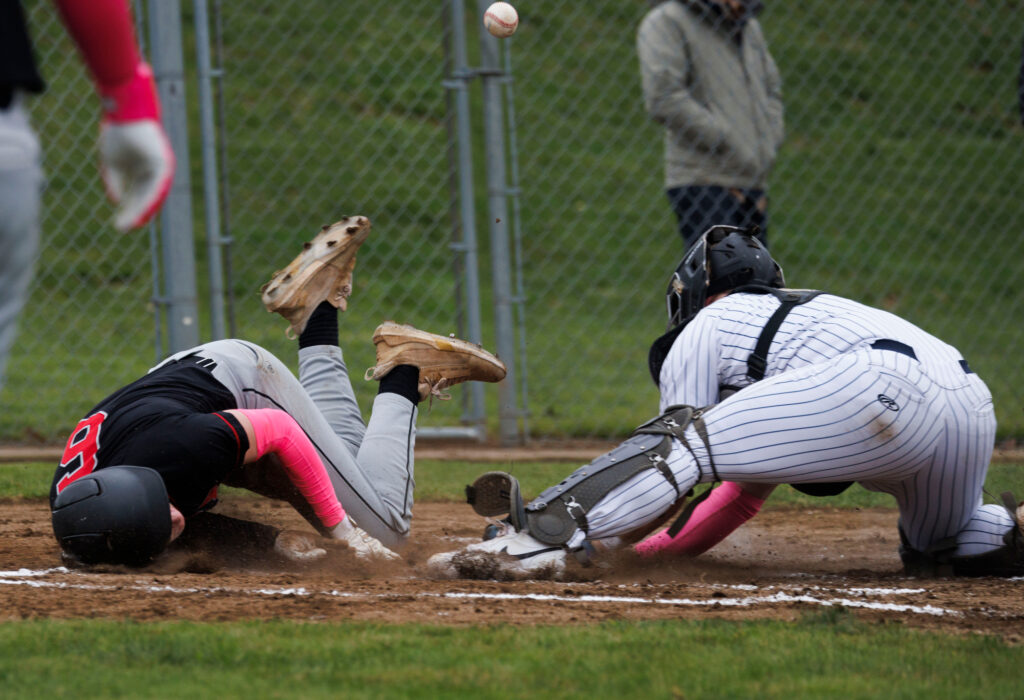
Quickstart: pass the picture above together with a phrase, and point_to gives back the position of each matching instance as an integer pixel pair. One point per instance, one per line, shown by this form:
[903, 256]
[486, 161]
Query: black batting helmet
[723, 258]
[116, 515]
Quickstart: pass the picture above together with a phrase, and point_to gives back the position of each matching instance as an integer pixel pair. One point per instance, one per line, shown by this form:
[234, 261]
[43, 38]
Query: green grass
[896, 186]
[826, 654]
[445, 481]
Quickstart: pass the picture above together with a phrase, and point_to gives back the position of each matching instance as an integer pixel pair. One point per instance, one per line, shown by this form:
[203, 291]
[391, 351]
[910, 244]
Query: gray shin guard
[559, 511]
[556, 514]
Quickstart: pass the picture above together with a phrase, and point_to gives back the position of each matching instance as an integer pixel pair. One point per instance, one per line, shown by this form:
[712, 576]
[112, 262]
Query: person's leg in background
[20, 194]
[699, 207]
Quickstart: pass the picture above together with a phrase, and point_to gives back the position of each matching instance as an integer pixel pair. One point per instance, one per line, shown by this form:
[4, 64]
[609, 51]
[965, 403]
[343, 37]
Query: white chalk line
[30, 578]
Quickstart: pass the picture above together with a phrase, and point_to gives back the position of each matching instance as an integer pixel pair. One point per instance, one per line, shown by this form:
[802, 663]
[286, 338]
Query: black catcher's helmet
[723, 258]
[116, 515]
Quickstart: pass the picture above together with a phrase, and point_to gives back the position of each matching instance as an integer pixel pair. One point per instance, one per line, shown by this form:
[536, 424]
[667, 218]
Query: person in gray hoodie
[709, 79]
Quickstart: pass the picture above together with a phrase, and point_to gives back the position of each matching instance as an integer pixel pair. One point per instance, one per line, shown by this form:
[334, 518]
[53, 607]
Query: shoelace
[436, 390]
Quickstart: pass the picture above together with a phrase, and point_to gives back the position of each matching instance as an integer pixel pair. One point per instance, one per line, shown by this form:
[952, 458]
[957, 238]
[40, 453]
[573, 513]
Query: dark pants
[699, 207]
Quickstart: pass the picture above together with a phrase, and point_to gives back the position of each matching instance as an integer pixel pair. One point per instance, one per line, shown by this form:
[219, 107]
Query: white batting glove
[362, 544]
[298, 547]
[136, 160]
[137, 166]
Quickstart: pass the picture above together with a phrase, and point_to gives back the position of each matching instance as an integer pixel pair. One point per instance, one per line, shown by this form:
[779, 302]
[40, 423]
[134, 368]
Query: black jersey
[171, 420]
[17, 63]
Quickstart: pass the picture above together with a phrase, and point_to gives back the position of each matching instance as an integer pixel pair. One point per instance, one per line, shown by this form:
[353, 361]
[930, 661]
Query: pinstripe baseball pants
[923, 434]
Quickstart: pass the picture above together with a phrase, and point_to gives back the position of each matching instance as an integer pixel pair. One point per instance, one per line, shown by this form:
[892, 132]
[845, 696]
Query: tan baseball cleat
[321, 272]
[442, 361]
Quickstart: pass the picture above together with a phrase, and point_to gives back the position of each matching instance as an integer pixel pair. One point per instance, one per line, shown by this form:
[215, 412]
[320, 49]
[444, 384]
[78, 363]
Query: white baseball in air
[501, 19]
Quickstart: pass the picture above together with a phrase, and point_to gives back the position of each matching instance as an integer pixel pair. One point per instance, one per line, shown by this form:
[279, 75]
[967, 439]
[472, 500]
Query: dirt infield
[784, 563]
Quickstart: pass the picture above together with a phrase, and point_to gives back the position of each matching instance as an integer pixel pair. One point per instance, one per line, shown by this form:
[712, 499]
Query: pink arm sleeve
[728, 507]
[277, 432]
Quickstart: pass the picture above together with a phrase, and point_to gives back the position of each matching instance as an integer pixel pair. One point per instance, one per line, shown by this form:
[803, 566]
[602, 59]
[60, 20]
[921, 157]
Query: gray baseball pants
[370, 465]
[21, 180]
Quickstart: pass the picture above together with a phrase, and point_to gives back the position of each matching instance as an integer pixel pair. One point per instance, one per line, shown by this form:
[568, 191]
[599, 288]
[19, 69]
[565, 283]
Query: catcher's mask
[723, 258]
[116, 515]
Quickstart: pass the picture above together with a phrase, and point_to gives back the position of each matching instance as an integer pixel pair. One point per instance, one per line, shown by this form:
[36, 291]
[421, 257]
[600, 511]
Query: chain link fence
[896, 185]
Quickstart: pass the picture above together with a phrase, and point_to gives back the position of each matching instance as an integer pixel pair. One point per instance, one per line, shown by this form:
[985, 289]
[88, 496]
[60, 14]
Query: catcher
[824, 392]
[142, 468]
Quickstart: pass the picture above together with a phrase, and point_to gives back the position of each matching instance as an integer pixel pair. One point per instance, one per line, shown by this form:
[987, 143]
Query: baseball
[501, 19]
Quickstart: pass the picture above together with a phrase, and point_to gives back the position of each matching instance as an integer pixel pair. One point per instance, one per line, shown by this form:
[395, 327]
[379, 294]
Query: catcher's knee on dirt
[555, 515]
[1007, 560]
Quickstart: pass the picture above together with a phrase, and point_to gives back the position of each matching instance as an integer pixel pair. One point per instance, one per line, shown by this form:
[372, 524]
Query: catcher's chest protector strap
[757, 363]
[556, 513]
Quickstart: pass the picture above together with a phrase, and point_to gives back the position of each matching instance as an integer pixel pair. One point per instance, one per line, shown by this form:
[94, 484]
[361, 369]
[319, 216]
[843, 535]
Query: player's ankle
[322, 327]
[402, 380]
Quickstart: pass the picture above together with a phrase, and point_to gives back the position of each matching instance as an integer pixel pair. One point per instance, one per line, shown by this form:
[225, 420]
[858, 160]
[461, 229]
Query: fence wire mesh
[895, 185]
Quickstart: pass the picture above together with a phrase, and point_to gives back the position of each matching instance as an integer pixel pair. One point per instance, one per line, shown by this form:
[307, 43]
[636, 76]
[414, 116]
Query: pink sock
[276, 431]
[728, 507]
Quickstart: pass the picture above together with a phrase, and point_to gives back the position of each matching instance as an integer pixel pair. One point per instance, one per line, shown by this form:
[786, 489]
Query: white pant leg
[641, 499]
[858, 417]
[828, 422]
[831, 422]
[20, 191]
[377, 494]
[944, 499]
[984, 531]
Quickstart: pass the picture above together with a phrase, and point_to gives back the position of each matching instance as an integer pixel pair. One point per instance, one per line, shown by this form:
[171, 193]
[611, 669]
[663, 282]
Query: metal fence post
[517, 245]
[497, 193]
[457, 83]
[211, 203]
[176, 216]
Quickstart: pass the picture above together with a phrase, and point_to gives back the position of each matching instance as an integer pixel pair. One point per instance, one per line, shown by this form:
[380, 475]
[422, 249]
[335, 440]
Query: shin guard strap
[555, 515]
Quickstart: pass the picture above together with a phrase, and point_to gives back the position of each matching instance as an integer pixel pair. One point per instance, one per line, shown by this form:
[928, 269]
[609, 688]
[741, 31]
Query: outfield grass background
[897, 185]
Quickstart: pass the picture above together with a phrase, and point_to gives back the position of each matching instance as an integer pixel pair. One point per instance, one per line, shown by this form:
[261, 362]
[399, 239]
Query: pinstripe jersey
[830, 408]
[712, 350]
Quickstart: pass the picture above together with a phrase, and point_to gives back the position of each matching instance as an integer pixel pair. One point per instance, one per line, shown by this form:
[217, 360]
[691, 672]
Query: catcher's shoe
[509, 556]
[321, 272]
[442, 361]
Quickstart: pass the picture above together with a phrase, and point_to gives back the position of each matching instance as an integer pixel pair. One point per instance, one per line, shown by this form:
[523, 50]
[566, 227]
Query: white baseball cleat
[510, 556]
